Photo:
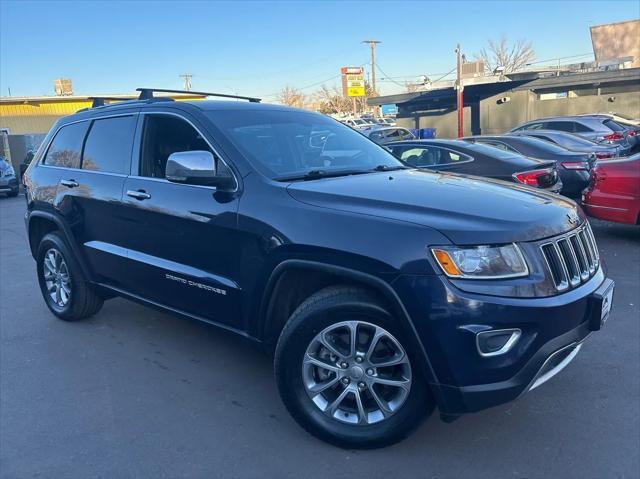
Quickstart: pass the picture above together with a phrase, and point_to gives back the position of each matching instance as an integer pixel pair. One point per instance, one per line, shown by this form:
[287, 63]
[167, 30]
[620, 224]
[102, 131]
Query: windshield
[284, 144]
[569, 140]
[544, 145]
[482, 149]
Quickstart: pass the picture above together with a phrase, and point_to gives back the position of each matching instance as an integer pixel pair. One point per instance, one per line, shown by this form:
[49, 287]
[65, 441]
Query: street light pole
[459, 92]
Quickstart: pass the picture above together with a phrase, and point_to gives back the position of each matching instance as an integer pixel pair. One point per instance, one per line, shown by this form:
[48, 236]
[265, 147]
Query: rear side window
[108, 145]
[66, 147]
[580, 128]
[561, 126]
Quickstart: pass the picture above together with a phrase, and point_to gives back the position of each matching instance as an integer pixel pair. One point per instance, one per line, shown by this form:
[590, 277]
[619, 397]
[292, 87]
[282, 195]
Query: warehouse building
[493, 105]
[24, 121]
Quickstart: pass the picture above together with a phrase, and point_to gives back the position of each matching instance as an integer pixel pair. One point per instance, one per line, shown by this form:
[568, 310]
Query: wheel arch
[41, 223]
[271, 320]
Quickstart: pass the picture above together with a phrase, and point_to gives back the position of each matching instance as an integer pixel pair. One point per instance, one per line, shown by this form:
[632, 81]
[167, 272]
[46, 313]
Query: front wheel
[345, 371]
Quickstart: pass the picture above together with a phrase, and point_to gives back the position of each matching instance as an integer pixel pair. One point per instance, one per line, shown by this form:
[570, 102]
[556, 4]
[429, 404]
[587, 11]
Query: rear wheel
[63, 286]
[345, 371]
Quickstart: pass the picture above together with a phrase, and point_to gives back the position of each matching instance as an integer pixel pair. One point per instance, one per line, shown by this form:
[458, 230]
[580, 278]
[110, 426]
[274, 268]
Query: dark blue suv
[382, 291]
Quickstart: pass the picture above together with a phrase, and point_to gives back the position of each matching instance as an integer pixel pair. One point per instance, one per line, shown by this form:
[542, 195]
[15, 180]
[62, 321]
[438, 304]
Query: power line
[314, 84]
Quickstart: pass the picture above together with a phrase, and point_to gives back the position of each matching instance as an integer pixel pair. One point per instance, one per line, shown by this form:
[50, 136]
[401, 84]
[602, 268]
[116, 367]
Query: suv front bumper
[447, 319]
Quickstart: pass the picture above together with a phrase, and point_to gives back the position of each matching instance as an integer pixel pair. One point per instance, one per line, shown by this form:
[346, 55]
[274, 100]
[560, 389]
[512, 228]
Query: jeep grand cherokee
[383, 291]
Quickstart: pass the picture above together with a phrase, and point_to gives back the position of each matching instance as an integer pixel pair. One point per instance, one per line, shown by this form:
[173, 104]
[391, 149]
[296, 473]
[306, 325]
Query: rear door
[182, 239]
[90, 194]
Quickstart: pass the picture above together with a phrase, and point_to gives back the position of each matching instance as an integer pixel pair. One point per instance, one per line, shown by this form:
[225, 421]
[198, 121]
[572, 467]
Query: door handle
[138, 195]
[69, 183]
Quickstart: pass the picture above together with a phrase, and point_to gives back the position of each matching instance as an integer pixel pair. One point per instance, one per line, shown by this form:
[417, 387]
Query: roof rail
[147, 94]
[100, 100]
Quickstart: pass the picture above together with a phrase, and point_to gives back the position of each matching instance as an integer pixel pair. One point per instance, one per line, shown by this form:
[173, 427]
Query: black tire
[330, 306]
[13, 193]
[83, 302]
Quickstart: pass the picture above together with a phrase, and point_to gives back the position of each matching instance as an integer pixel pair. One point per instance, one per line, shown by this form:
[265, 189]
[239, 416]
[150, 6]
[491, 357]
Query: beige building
[615, 41]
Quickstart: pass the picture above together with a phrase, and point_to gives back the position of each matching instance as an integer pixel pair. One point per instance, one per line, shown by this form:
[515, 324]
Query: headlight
[481, 262]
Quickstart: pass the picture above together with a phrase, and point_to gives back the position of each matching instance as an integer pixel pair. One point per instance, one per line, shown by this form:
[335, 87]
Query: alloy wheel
[56, 277]
[356, 372]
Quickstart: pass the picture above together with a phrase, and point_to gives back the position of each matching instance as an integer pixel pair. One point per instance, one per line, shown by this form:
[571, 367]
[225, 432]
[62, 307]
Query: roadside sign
[353, 81]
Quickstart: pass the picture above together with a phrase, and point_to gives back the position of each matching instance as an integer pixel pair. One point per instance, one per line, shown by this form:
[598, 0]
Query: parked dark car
[385, 135]
[577, 143]
[592, 127]
[383, 291]
[573, 167]
[614, 193]
[468, 158]
[8, 182]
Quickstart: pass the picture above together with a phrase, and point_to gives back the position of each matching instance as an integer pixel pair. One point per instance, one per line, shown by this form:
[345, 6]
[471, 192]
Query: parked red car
[614, 192]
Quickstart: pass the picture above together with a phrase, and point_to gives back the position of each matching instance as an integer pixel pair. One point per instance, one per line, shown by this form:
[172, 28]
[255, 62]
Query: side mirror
[196, 168]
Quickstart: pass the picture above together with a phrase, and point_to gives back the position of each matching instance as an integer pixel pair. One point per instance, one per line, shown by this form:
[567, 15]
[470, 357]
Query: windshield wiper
[389, 168]
[315, 174]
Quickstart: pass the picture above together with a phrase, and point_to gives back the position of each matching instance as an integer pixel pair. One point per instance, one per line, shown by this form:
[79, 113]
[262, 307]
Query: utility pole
[372, 46]
[186, 78]
[459, 92]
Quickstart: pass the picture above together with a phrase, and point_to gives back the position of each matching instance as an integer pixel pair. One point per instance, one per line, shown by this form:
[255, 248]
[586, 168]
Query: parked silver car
[598, 128]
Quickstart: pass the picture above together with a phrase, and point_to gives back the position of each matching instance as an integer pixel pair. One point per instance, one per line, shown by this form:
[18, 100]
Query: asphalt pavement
[135, 393]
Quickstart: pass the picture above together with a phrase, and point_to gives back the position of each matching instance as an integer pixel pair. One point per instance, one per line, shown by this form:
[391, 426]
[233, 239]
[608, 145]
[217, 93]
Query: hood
[5, 166]
[467, 209]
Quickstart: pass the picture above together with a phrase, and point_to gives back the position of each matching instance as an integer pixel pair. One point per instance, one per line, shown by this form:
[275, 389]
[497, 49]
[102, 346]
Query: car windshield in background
[543, 145]
[568, 140]
[484, 149]
[287, 145]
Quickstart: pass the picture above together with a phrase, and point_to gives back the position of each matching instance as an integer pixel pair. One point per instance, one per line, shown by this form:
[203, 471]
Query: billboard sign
[352, 81]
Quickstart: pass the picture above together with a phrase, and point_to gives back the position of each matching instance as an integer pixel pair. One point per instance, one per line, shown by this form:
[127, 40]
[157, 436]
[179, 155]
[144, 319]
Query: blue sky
[256, 48]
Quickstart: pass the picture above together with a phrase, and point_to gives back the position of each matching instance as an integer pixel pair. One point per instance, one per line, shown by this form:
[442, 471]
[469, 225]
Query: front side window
[163, 135]
[108, 145]
[532, 126]
[66, 147]
[278, 143]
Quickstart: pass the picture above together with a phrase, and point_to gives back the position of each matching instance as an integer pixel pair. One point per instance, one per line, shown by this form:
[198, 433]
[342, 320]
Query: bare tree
[500, 54]
[332, 101]
[412, 87]
[291, 97]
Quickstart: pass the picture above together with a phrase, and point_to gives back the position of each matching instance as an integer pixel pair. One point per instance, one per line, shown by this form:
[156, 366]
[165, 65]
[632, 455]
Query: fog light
[496, 341]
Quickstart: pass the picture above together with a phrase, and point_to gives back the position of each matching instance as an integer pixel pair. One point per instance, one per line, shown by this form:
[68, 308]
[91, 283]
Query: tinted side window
[532, 126]
[561, 126]
[108, 146]
[66, 147]
[448, 157]
[164, 135]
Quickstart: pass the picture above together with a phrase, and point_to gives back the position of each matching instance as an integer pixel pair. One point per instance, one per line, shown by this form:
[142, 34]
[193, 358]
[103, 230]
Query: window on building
[108, 145]
[66, 147]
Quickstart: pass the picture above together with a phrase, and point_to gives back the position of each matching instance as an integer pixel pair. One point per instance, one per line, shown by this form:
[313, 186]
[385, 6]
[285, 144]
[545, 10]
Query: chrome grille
[572, 258]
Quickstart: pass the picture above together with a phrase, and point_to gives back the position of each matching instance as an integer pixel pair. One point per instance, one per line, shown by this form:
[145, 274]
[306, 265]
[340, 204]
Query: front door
[181, 238]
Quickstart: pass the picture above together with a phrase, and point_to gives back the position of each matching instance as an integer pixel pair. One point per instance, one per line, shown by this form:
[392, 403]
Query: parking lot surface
[133, 392]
